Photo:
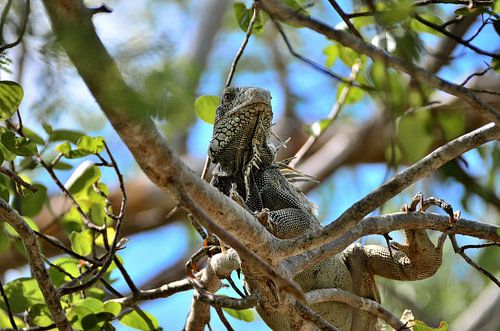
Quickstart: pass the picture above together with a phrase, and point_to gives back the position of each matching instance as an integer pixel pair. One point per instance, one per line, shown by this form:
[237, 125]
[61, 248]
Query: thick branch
[397, 184]
[35, 261]
[125, 110]
[275, 8]
[385, 224]
[370, 306]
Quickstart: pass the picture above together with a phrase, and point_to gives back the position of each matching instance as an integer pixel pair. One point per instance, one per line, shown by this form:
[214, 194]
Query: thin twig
[454, 37]
[223, 319]
[481, 73]
[18, 179]
[56, 243]
[463, 248]
[398, 183]
[7, 306]
[342, 14]
[334, 112]
[467, 259]
[314, 64]
[486, 21]
[243, 45]
[36, 264]
[23, 29]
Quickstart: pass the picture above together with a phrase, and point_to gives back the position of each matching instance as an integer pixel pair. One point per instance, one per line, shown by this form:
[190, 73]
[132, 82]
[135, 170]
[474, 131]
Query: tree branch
[370, 306]
[35, 261]
[385, 224]
[370, 202]
[282, 12]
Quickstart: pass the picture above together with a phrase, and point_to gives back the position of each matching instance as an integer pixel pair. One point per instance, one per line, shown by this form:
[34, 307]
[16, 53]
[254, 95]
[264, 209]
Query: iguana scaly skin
[245, 158]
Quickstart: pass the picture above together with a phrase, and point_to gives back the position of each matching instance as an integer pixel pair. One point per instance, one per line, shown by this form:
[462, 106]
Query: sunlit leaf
[244, 15]
[83, 177]
[243, 315]
[205, 107]
[91, 144]
[140, 321]
[110, 233]
[39, 313]
[112, 307]
[5, 321]
[11, 94]
[22, 293]
[81, 242]
[354, 94]
[422, 326]
[332, 53]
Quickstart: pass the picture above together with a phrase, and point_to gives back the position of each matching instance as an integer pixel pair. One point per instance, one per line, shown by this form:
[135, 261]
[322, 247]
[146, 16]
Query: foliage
[39, 157]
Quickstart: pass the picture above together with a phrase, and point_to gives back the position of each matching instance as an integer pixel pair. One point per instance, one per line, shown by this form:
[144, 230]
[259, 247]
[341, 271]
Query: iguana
[244, 159]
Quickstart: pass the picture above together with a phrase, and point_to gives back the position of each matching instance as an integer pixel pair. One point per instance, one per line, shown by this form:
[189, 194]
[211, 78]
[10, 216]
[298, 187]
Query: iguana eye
[228, 97]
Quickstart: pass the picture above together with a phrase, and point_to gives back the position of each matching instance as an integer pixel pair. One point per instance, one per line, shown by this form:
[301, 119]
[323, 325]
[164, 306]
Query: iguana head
[242, 127]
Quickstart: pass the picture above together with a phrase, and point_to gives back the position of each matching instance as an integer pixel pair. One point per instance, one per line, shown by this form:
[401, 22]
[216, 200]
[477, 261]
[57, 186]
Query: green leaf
[91, 144]
[70, 135]
[28, 221]
[47, 128]
[4, 239]
[452, 123]
[70, 265]
[354, 95]
[244, 16]
[11, 94]
[63, 166]
[396, 12]
[83, 177]
[413, 135]
[31, 203]
[110, 233]
[348, 55]
[495, 63]
[5, 322]
[140, 321]
[64, 148]
[77, 314]
[332, 53]
[39, 313]
[18, 145]
[205, 107]
[22, 293]
[243, 315]
[33, 136]
[420, 27]
[422, 326]
[113, 307]
[81, 242]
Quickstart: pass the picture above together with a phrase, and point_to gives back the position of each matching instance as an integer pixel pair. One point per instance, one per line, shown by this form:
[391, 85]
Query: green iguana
[244, 159]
